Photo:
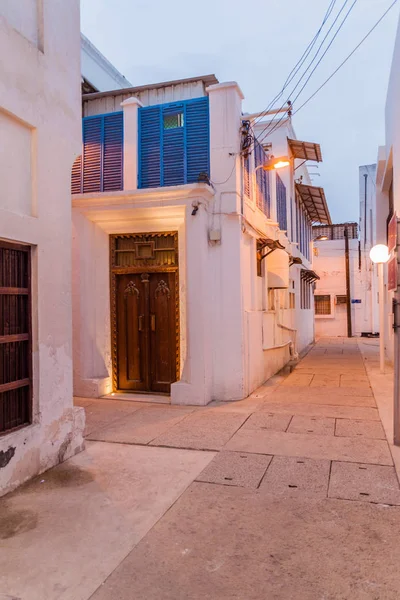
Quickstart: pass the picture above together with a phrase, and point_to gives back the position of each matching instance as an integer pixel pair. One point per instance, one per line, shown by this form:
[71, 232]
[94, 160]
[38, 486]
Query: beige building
[40, 108]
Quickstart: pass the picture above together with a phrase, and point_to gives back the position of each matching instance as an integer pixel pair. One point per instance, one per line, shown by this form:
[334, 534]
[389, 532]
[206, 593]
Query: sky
[257, 43]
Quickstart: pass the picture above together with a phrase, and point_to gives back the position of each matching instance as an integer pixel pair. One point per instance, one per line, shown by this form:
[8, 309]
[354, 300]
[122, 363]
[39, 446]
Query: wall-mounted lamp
[276, 163]
[321, 238]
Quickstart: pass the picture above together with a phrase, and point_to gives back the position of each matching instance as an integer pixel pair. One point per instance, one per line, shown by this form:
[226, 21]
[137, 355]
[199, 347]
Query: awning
[305, 150]
[295, 260]
[315, 203]
[270, 244]
[309, 275]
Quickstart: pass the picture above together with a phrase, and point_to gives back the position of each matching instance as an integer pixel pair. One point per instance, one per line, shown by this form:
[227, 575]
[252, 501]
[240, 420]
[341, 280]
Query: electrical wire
[268, 130]
[299, 63]
[347, 58]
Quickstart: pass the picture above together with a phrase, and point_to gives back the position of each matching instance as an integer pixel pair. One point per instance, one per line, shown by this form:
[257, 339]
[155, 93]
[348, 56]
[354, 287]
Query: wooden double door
[146, 331]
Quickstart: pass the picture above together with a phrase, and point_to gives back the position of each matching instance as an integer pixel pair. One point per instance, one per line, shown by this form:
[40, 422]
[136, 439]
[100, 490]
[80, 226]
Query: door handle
[153, 322]
[141, 318]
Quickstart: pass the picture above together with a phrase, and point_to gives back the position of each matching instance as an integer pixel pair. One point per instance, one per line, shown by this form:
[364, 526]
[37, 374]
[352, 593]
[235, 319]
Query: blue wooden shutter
[76, 176]
[149, 147]
[92, 154]
[173, 146]
[246, 176]
[113, 152]
[281, 208]
[197, 125]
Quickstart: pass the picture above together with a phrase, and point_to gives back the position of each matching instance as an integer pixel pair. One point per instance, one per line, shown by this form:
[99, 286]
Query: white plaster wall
[97, 70]
[330, 265]
[40, 108]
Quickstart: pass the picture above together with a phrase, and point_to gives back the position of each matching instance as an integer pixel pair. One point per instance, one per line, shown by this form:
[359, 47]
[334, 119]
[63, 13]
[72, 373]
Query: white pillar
[131, 142]
[195, 384]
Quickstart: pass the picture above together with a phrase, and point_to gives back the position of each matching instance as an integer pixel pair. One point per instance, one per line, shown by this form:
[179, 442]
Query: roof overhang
[309, 275]
[305, 150]
[315, 203]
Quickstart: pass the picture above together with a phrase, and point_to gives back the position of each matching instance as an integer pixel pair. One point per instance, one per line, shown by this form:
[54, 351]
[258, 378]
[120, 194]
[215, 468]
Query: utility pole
[348, 297]
[396, 323]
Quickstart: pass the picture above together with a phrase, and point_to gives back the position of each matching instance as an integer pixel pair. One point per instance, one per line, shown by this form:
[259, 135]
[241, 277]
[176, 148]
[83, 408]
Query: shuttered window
[174, 143]
[263, 194]
[15, 336]
[100, 168]
[281, 207]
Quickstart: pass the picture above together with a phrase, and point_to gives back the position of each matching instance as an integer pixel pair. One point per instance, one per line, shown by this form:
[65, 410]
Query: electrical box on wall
[278, 269]
[215, 235]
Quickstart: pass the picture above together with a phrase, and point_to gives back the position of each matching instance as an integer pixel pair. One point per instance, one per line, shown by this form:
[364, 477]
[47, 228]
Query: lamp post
[379, 255]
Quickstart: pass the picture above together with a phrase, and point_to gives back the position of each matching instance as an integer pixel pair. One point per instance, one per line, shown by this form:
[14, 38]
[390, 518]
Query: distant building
[341, 300]
[192, 265]
[40, 132]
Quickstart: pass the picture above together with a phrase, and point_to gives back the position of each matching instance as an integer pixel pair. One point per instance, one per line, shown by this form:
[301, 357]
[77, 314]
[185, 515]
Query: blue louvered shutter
[197, 125]
[281, 207]
[92, 154]
[246, 176]
[113, 135]
[173, 148]
[149, 147]
[76, 176]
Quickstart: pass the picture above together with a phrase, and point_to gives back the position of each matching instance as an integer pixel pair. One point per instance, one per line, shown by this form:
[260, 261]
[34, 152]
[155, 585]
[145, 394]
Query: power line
[347, 58]
[268, 129]
[300, 62]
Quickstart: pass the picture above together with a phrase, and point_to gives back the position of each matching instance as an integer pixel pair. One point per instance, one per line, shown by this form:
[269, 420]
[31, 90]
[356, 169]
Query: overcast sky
[256, 43]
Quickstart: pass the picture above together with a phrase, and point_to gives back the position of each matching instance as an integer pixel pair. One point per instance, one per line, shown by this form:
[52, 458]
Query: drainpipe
[348, 300]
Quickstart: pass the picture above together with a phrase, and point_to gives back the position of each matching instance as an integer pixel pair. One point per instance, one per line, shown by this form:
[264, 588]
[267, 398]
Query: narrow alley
[289, 493]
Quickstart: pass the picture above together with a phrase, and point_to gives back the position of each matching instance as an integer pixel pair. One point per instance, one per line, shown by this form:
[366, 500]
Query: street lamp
[276, 163]
[379, 255]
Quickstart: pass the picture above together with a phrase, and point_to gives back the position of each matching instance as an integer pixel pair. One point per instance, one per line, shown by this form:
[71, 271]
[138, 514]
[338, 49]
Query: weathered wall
[40, 121]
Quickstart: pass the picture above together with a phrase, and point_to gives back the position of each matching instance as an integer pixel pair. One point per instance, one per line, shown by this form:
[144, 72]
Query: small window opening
[322, 305]
[172, 121]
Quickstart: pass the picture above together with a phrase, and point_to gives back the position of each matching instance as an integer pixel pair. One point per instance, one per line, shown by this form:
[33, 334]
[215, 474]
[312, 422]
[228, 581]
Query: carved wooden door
[146, 332]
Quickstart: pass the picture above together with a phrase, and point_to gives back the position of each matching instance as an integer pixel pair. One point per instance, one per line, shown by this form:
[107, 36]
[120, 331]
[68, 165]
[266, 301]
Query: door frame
[145, 266]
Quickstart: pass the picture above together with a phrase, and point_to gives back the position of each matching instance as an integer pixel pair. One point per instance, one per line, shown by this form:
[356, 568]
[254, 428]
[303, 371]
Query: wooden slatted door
[146, 331]
[15, 336]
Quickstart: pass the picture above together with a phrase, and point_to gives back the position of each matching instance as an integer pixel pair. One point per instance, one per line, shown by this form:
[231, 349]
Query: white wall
[40, 123]
[330, 265]
[97, 70]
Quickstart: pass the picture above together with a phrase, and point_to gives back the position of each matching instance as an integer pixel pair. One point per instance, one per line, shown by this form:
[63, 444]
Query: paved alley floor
[291, 493]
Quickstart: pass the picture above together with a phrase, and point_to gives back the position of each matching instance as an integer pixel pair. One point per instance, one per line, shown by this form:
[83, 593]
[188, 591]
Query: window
[341, 299]
[262, 181]
[15, 336]
[259, 259]
[322, 305]
[305, 293]
[174, 143]
[292, 300]
[281, 207]
[100, 167]
[173, 120]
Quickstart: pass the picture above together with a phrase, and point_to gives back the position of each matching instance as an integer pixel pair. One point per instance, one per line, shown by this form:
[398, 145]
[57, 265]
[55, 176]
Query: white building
[388, 179]
[40, 129]
[341, 300]
[98, 74]
[172, 224]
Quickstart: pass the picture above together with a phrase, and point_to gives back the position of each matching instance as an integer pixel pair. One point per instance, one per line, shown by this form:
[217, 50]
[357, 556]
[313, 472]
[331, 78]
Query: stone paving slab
[268, 420]
[298, 380]
[311, 446]
[202, 431]
[104, 412]
[142, 426]
[225, 543]
[330, 381]
[236, 468]
[62, 534]
[323, 396]
[316, 425]
[359, 428]
[297, 477]
[363, 482]
[317, 410]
